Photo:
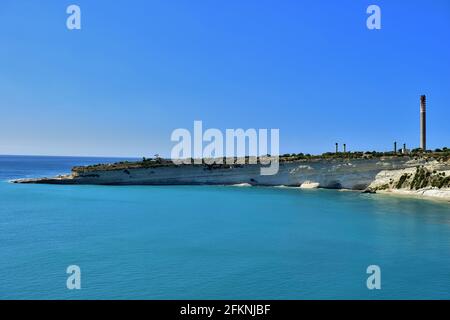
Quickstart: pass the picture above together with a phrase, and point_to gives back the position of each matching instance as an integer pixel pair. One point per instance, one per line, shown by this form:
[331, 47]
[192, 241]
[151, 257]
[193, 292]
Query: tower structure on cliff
[423, 122]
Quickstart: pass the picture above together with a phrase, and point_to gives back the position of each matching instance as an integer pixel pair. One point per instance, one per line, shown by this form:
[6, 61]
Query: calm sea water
[184, 242]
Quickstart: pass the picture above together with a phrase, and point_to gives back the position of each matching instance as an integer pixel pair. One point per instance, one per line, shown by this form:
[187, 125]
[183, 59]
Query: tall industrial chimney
[423, 122]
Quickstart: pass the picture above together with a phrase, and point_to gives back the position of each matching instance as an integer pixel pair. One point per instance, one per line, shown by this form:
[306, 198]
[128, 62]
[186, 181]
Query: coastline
[439, 195]
[355, 174]
[404, 176]
[424, 194]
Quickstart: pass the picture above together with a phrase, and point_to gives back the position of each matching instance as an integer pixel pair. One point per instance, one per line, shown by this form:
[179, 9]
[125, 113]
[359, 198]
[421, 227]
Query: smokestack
[345, 148]
[395, 147]
[336, 147]
[423, 122]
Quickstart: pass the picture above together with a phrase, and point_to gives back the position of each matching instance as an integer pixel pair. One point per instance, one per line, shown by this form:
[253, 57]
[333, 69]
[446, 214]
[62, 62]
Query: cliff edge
[431, 179]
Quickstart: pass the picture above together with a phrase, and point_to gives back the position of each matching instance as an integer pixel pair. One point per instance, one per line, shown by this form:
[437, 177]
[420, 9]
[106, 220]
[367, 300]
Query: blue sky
[137, 70]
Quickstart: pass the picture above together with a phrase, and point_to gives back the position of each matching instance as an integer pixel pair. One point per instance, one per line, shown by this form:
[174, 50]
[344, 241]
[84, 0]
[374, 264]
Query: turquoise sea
[207, 242]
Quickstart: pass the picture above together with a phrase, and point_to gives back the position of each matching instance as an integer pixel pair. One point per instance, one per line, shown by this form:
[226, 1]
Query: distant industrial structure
[423, 127]
[404, 150]
[337, 147]
[423, 131]
[423, 122]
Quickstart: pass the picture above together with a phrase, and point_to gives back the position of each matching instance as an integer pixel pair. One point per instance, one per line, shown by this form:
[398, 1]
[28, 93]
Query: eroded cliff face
[355, 174]
[431, 179]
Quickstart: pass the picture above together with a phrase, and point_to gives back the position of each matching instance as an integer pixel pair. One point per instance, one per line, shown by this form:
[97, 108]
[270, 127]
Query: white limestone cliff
[371, 175]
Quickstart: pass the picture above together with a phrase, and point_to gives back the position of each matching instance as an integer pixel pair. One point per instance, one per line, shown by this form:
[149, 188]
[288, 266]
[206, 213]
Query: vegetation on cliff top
[421, 178]
[439, 154]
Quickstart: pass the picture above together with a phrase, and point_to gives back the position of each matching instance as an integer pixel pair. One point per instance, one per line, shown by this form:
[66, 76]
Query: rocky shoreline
[418, 177]
[429, 180]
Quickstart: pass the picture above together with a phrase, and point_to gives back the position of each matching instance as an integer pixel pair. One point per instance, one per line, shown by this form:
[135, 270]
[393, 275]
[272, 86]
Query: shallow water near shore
[213, 242]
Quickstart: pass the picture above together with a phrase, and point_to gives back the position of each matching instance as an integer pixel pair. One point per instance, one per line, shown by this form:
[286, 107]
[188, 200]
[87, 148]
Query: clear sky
[137, 70]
